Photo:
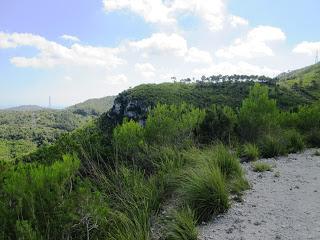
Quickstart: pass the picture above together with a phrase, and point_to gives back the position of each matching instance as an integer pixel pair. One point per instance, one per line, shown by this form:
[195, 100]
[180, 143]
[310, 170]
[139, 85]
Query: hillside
[24, 128]
[25, 108]
[95, 106]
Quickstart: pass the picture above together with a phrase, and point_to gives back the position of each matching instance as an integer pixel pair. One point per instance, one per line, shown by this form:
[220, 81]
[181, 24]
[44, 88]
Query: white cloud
[309, 48]
[52, 54]
[198, 56]
[147, 70]
[70, 38]
[212, 12]
[226, 68]
[120, 79]
[161, 44]
[255, 44]
[236, 21]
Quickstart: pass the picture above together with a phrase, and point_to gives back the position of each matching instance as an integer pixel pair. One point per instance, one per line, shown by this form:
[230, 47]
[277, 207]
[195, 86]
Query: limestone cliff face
[124, 107]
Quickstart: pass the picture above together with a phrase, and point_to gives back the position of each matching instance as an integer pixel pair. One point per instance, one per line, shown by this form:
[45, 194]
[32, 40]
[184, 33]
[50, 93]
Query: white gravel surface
[286, 206]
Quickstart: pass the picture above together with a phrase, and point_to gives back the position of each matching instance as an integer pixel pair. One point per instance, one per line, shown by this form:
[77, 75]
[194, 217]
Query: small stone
[315, 191]
[291, 189]
[296, 187]
[278, 237]
[229, 230]
[257, 223]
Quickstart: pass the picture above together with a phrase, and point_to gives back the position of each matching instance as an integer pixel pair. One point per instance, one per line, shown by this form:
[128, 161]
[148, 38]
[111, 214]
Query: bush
[218, 124]
[205, 191]
[172, 125]
[250, 152]
[271, 146]
[182, 225]
[226, 161]
[50, 202]
[294, 141]
[128, 139]
[258, 114]
[261, 167]
[313, 137]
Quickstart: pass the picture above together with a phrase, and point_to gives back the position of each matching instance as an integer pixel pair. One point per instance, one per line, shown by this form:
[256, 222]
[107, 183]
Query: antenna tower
[49, 101]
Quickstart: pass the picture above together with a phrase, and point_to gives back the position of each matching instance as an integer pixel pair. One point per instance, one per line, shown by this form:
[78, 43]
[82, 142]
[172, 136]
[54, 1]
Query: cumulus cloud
[147, 70]
[226, 68]
[212, 12]
[70, 38]
[309, 48]
[236, 21]
[119, 79]
[170, 45]
[52, 54]
[255, 44]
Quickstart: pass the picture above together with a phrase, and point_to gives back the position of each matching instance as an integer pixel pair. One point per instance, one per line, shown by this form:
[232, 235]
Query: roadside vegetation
[109, 183]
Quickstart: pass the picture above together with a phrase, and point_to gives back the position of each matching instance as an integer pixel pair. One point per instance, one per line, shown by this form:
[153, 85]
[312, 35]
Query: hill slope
[95, 106]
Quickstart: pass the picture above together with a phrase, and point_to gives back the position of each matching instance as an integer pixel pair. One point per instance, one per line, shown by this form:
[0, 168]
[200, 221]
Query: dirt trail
[286, 206]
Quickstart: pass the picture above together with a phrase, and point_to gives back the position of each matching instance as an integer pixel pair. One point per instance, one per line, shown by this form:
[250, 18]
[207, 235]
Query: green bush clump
[258, 114]
[218, 124]
[261, 167]
[172, 125]
[205, 191]
[293, 140]
[51, 202]
[128, 139]
[271, 146]
[182, 225]
[250, 152]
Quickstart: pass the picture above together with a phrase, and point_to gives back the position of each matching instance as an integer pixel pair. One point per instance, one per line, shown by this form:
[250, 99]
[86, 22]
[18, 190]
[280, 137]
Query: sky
[79, 49]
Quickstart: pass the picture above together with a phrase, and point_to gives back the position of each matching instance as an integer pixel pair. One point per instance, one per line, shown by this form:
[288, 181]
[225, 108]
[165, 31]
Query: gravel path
[283, 204]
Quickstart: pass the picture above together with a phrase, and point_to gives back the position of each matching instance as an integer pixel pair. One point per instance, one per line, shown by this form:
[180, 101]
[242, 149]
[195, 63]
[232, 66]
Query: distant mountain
[304, 76]
[23, 108]
[304, 81]
[95, 106]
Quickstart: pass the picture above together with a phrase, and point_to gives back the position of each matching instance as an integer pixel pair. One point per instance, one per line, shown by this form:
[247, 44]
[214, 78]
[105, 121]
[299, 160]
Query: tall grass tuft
[250, 152]
[182, 225]
[204, 190]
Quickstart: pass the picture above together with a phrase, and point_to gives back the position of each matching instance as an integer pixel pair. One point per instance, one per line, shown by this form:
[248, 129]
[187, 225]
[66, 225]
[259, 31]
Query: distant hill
[24, 128]
[95, 106]
[304, 81]
[25, 108]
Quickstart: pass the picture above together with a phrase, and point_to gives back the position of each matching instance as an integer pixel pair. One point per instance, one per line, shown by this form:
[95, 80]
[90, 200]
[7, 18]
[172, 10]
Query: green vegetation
[24, 128]
[109, 178]
[182, 225]
[250, 152]
[261, 167]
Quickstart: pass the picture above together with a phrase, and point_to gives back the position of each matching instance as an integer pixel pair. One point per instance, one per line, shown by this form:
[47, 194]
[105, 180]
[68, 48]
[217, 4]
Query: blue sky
[79, 49]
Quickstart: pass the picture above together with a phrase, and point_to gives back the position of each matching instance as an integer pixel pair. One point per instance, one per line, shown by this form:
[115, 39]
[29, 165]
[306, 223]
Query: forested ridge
[173, 142]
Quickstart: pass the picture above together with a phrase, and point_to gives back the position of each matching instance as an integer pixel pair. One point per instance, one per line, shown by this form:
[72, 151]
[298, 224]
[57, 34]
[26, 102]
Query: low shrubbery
[204, 190]
[272, 146]
[182, 225]
[250, 152]
[261, 167]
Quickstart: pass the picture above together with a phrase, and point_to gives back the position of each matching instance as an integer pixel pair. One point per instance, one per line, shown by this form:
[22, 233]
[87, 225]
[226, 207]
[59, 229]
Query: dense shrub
[182, 225]
[218, 124]
[128, 138]
[258, 114]
[293, 141]
[272, 146]
[250, 152]
[50, 202]
[172, 125]
[204, 190]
